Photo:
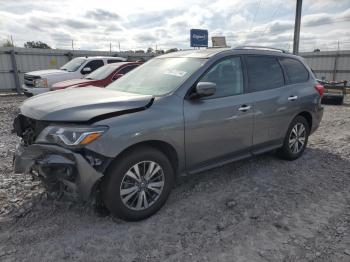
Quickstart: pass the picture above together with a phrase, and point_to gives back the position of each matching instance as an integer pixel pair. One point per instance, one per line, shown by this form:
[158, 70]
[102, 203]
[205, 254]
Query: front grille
[29, 79]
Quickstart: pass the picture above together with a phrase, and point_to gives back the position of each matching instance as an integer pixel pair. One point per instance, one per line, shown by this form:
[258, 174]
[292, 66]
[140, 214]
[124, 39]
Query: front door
[219, 126]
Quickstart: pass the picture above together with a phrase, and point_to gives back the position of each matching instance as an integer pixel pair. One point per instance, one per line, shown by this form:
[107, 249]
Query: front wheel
[296, 139]
[138, 184]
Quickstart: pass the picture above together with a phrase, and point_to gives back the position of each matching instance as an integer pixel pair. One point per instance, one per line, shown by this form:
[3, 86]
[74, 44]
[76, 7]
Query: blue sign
[199, 37]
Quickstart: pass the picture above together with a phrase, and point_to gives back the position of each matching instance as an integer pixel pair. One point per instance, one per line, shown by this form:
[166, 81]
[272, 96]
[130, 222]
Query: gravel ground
[260, 209]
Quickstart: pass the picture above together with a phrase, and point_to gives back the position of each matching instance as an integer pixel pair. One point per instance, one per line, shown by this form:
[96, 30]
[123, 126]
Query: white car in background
[38, 82]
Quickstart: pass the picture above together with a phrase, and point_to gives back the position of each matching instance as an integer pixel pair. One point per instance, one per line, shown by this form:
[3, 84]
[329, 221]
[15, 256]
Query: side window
[110, 61]
[94, 64]
[295, 70]
[264, 72]
[126, 69]
[228, 77]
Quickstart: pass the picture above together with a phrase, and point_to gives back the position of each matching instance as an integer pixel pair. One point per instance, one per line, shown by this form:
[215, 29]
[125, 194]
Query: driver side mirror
[86, 70]
[203, 89]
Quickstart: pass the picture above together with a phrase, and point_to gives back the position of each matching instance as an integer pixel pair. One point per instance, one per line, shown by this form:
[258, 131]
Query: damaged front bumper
[60, 169]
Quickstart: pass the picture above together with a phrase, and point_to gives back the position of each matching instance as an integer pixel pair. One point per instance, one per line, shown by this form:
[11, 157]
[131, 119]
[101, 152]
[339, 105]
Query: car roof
[196, 53]
[119, 64]
[210, 52]
[102, 57]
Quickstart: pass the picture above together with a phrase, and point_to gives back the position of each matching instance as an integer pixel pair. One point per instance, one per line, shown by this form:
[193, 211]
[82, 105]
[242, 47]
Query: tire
[121, 178]
[289, 152]
[340, 101]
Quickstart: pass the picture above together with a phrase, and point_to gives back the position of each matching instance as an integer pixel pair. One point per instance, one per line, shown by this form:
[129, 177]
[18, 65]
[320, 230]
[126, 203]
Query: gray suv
[179, 113]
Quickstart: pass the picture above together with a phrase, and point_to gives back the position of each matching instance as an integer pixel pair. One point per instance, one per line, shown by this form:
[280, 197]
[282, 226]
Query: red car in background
[101, 77]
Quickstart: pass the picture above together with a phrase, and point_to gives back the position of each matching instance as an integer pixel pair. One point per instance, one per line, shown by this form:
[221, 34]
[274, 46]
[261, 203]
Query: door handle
[292, 98]
[244, 108]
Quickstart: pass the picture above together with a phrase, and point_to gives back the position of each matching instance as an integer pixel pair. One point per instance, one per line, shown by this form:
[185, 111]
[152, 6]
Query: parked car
[41, 81]
[101, 77]
[179, 113]
[334, 91]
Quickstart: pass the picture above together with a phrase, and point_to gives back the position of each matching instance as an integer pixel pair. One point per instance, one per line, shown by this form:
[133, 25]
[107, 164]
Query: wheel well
[308, 118]
[167, 149]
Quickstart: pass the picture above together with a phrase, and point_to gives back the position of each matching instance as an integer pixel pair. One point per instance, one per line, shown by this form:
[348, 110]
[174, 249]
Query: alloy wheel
[297, 138]
[142, 185]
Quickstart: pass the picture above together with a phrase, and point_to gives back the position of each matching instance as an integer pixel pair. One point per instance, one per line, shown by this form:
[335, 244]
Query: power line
[272, 17]
[256, 12]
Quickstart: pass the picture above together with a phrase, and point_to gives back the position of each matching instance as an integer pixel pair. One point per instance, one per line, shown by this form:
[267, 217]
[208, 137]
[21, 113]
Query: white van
[38, 82]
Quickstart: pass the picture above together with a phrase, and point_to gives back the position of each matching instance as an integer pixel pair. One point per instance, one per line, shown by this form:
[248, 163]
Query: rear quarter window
[295, 70]
[264, 73]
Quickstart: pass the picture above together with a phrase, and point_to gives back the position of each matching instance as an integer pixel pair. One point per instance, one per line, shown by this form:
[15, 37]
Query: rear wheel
[296, 139]
[138, 184]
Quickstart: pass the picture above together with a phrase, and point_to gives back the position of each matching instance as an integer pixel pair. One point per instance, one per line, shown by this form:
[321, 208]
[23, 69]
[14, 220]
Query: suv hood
[45, 73]
[75, 105]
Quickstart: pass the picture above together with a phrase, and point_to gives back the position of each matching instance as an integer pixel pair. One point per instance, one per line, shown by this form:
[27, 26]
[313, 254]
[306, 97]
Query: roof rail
[261, 48]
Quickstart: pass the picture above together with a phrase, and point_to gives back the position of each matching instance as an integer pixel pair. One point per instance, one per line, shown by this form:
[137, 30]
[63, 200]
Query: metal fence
[329, 65]
[14, 62]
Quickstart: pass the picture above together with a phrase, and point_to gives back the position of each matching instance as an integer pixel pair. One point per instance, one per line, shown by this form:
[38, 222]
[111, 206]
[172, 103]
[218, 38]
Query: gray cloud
[113, 28]
[40, 24]
[151, 19]
[100, 14]
[61, 36]
[77, 24]
[315, 20]
[145, 37]
[280, 26]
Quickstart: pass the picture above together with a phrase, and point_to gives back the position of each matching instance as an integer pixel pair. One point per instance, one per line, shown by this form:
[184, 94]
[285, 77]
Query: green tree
[37, 44]
[149, 50]
[7, 43]
[171, 50]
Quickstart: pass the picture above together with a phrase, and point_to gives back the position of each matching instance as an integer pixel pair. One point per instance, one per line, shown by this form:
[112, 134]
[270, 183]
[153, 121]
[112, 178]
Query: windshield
[158, 77]
[101, 73]
[73, 64]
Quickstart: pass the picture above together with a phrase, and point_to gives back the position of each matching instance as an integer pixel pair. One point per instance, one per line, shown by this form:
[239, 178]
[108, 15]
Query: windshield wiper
[88, 78]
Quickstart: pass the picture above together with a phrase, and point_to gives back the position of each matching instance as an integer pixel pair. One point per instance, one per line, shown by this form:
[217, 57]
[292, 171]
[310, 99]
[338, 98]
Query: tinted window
[295, 70]
[228, 77]
[94, 64]
[110, 61]
[126, 69]
[264, 72]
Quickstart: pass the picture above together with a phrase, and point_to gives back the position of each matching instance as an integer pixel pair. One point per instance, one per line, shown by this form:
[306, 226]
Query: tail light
[320, 89]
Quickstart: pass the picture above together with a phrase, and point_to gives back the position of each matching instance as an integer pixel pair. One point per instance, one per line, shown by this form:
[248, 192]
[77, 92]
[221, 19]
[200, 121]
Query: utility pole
[119, 45]
[110, 47]
[297, 27]
[72, 44]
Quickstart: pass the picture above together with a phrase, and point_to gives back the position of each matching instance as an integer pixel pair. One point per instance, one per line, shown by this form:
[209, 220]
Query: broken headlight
[71, 136]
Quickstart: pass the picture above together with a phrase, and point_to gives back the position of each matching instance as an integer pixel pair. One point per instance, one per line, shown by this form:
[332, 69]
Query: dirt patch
[260, 209]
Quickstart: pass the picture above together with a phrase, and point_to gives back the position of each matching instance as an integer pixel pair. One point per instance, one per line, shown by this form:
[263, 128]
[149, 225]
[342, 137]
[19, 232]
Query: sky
[164, 24]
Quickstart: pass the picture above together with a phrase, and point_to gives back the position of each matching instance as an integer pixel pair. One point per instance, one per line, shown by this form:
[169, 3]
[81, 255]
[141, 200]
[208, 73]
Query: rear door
[219, 127]
[266, 80]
